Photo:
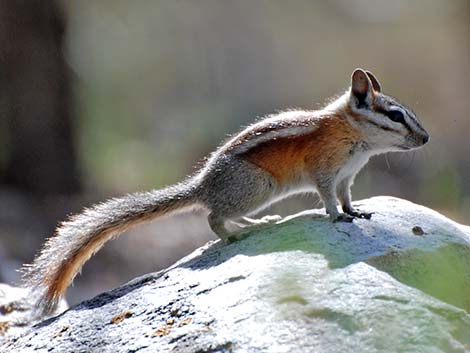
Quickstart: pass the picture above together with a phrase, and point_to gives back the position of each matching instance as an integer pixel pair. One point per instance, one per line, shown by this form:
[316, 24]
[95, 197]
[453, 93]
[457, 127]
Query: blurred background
[100, 98]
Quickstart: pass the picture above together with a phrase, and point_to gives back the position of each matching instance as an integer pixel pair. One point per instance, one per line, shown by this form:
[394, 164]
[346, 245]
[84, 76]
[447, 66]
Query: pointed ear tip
[358, 71]
[375, 82]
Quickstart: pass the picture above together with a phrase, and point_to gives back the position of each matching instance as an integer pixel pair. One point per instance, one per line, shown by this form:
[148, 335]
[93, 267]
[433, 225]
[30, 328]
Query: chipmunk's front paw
[364, 215]
[343, 217]
[358, 214]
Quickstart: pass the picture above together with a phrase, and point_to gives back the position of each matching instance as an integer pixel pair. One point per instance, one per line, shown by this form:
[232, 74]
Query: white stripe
[291, 123]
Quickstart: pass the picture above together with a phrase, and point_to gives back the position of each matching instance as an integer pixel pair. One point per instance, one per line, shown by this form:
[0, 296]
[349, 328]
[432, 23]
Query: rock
[15, 309]
[302, 285]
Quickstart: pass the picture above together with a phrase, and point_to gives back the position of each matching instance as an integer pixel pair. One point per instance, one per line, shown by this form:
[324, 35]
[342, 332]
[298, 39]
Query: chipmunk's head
[387, 124]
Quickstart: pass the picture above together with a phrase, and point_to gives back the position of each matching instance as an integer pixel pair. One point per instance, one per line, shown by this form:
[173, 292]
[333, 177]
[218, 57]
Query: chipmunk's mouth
[404, 146]
[407, 147]
[415, 141]
[400, 148]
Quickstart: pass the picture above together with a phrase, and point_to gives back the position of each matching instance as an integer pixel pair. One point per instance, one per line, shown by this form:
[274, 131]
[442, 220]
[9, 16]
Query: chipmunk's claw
[364, 215]
[358, 214]
[343, 217]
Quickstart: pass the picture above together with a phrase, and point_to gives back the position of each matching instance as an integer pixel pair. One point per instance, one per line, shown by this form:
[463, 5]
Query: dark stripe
[386, 128]
[404, 123]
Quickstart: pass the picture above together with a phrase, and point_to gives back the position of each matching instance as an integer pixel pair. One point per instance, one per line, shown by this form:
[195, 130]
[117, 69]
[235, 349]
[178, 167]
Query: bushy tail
[78, 238]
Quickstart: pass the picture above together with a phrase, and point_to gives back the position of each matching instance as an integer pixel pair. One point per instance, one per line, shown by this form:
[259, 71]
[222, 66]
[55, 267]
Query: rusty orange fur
[323, 149]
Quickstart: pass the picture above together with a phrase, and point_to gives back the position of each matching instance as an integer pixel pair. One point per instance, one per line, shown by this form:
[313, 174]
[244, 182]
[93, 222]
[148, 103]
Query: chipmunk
[283, 154]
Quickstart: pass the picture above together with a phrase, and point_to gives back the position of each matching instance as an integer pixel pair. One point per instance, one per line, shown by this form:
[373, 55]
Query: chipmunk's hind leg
[217, 224]
[235, 188]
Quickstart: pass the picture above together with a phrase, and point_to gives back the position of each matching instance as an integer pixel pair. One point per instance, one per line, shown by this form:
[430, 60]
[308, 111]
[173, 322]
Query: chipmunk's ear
[362, 90]
[375, 82]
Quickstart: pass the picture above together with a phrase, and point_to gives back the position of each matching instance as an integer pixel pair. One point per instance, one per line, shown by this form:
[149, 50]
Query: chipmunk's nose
[425, 139]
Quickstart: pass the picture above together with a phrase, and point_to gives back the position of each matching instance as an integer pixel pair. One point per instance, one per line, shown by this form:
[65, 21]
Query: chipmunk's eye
[396, 116]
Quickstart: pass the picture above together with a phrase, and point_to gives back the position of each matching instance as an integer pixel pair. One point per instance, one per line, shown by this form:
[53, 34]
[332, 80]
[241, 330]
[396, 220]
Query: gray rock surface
[399, 282]
[15, 311]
